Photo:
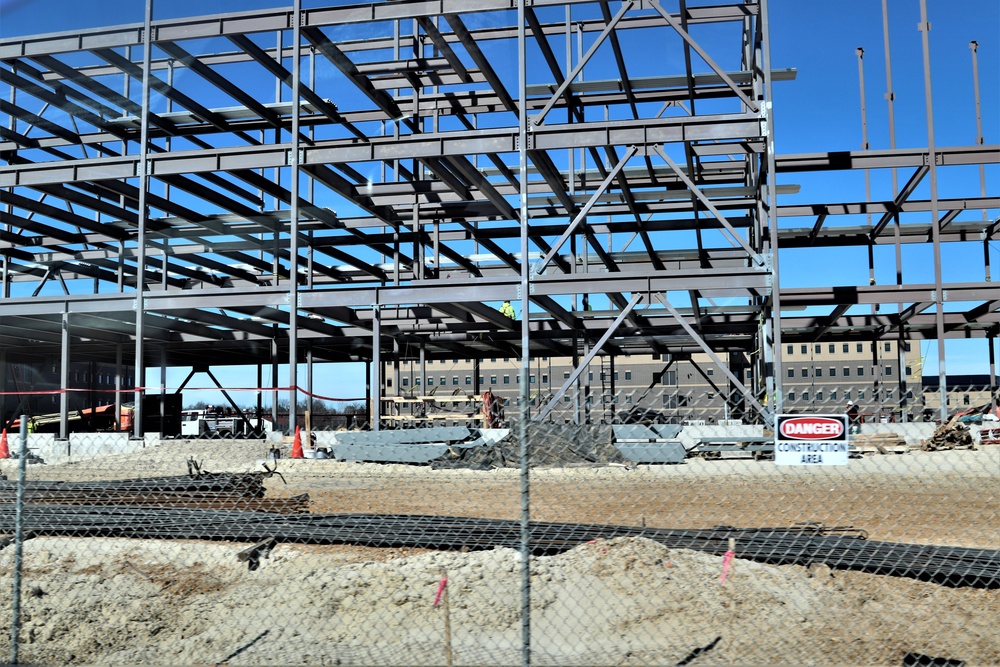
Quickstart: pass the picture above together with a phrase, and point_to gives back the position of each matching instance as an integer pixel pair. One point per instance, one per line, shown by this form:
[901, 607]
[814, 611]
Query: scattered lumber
[879, 443]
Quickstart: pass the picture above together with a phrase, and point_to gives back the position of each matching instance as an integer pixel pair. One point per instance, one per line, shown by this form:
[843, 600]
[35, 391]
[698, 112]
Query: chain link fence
[640, 529]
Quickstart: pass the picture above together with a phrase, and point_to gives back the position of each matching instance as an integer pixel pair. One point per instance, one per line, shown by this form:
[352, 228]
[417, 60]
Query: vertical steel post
[3, 386]
[64, 376]
[522, 413]
[15, 626]
[309, 379]
[925, 29]
[774, 377]
[274, 375]
[293, 230]
[119, 360]
[375, 386]
[890, 97]
[974, 47]
[140, 253]
[993, 372]
[860, 52]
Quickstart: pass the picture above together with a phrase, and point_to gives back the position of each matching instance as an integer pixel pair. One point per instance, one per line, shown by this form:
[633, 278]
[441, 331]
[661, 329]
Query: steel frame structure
[410, 183]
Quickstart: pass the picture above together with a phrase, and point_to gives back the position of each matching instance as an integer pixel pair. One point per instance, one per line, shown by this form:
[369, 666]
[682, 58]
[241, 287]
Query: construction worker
[32, 425]
[508, 310]
[853, 417]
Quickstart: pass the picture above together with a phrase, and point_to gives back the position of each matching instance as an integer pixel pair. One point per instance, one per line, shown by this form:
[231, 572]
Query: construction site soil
[618, 602]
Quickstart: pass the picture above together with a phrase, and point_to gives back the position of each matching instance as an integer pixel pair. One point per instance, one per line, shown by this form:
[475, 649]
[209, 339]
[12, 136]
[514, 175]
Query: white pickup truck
[204, 424]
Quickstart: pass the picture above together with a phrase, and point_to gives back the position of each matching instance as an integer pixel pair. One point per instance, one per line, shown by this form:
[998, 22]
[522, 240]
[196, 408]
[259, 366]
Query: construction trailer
[369, 182]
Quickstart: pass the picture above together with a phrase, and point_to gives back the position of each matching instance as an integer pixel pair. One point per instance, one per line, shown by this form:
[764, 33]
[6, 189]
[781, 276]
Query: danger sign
[811, 440]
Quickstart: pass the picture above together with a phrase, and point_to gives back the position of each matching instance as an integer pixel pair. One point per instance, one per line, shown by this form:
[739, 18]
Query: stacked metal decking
[839, 549]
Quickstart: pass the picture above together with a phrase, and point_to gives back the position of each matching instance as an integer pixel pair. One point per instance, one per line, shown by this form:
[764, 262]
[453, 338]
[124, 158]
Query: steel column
[140, 277]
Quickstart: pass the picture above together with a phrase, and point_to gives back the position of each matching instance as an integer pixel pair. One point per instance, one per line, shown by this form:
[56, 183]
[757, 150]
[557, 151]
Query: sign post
[811, 440]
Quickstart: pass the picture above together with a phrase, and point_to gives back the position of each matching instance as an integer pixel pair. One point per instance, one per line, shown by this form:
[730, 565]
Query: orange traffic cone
[297, 445]
[4, 451]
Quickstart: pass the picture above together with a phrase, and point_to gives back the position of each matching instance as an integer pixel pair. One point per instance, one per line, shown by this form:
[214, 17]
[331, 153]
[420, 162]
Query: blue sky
[819, 111]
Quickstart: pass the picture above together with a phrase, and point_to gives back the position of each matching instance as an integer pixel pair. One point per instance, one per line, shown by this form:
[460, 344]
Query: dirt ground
[617, 602]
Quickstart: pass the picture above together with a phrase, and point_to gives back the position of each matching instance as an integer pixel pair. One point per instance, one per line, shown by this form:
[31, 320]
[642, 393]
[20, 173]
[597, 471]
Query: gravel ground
[619, 602]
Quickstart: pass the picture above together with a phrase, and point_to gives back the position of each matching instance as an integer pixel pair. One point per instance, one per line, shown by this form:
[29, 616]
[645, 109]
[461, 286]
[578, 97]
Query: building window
[628, 375]
[519, 379]
[545, 378]
[468, 379]
[430, 361]
[493, 360]
[847, 394]
[454, 381]
[791, 372]
[388, 382]
[506, 379]
[493, 379]
[861, 394]
[833, 372]
[628, 398]
[805, 349]
[430, 382]
[832, 348]
[565, 375]
[590, 376]
[819, 395]
[846, 348]
[965, 399]
[805, 372]
[531, 379]
[791, 396]
[482, 379]
[819, 349]
[506, 359]
[861, 347]
[791, 349]
[444, 381]
[888, 394]
[888, 347]
[906, 346]
[805, 396]
[833, 395]
[616, 376]
[847, 371]
[908, 371]
[819, 372]
[861, 371]
[406, 382]
[711, 372]
[888, 370]
[417, 382]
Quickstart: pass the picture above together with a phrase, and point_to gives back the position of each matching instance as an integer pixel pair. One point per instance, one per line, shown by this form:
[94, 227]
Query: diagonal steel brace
[636, 298]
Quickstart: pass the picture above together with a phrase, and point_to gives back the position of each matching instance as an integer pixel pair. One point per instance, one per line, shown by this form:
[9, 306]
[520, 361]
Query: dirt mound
[627, 600]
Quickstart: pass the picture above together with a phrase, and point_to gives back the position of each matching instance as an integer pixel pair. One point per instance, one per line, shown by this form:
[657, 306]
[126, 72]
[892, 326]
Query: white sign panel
[802, 440]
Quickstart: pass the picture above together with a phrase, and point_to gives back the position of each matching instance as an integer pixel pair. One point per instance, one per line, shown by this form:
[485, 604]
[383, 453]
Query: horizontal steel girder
[502, 140]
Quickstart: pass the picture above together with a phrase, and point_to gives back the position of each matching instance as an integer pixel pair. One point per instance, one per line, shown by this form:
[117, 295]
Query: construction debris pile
[953, 435]
[202, 490]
